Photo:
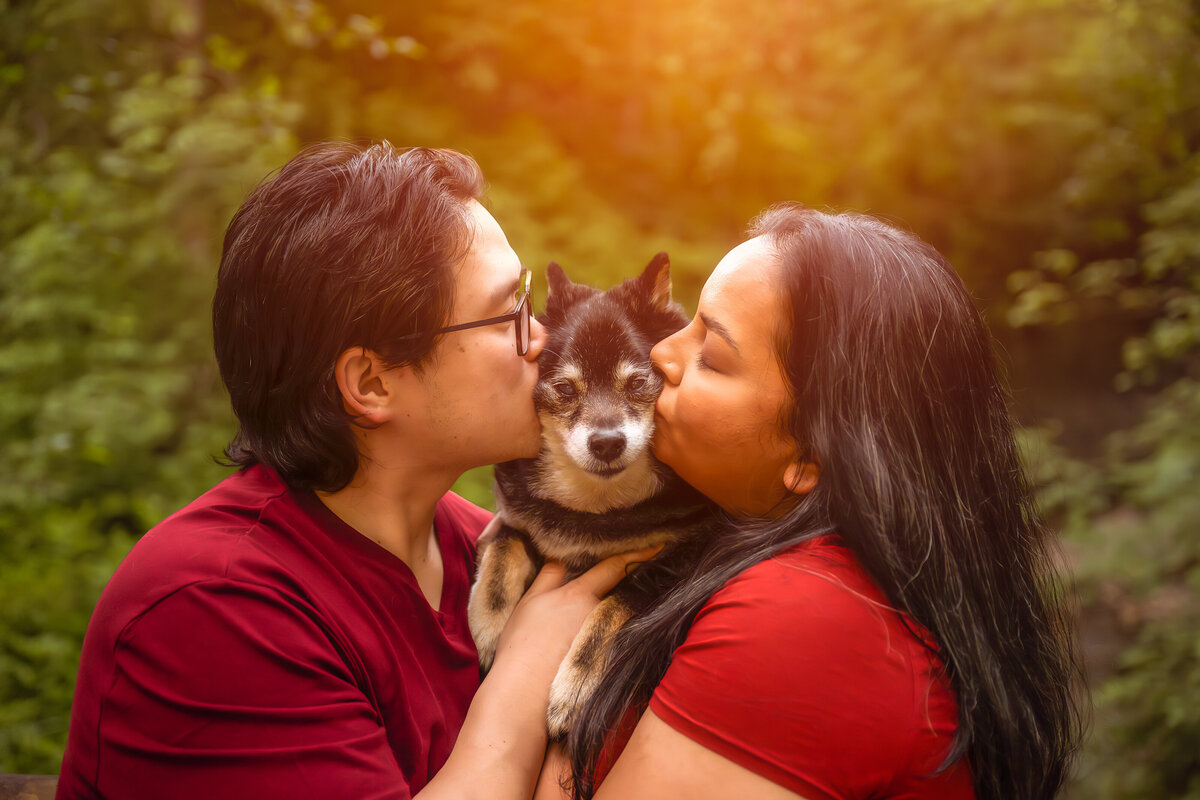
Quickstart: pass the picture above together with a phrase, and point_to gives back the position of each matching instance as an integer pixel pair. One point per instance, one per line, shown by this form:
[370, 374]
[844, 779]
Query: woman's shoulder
[818, 575]
[816, 598]
[814, 602]
[799, 669]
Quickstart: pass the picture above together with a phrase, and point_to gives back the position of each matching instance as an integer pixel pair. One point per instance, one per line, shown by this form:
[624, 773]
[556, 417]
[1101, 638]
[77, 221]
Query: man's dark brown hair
[344, 246]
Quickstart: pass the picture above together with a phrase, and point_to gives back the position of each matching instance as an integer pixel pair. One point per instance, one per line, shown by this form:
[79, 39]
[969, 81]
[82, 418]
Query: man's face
[478, 391]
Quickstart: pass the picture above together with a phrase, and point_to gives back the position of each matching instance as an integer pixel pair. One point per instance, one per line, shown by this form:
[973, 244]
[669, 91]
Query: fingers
[547, 619]
[549, 577]
[598, 580]
[601, 578]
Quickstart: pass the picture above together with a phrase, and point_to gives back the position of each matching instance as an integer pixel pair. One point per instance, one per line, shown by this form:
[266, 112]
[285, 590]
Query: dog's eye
[636, 383]
[564, 388]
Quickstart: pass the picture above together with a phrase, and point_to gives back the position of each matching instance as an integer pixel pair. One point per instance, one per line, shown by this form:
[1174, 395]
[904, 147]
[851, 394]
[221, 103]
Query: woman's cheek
[706, 411]
[680, 416]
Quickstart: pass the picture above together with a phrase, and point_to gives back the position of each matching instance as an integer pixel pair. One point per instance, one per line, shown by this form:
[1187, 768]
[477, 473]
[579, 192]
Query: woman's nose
[537, 339]
[663, 357]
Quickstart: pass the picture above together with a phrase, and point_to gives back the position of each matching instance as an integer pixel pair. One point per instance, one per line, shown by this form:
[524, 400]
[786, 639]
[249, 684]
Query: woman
[882, 619]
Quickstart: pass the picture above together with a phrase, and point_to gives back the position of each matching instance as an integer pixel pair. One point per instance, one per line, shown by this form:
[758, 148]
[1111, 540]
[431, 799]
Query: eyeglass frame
[524, 306]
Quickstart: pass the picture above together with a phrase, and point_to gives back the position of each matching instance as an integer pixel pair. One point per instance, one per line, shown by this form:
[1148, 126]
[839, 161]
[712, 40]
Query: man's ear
[561, 292]
[655, 282]
[362, 379]
[801, 477]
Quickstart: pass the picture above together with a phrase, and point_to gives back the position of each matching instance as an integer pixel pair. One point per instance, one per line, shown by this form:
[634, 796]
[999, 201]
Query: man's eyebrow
[720, 330]
[504, 294]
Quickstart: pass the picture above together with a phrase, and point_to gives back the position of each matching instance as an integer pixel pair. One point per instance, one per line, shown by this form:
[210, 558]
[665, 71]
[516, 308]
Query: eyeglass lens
[523, 325]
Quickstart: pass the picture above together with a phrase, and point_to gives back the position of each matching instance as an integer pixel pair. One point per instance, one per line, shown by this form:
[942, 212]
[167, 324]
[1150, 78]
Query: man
[300, 630]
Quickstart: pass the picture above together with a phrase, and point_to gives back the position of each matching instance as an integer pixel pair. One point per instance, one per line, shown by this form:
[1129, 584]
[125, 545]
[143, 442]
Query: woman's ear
[801, 477]
[362, 379]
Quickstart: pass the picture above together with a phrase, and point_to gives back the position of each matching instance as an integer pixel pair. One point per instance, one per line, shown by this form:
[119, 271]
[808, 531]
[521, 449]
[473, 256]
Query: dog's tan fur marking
[626, 370]
[580, 671]
[569, 372]
[505, 572]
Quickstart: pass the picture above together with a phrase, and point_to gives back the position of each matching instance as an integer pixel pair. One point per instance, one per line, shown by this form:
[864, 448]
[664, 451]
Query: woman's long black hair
[895, 393]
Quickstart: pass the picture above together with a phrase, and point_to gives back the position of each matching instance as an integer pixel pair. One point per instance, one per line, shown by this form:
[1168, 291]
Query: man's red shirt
[254, 645]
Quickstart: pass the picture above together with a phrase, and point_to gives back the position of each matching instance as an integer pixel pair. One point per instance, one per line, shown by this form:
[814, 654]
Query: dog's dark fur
[595, 490]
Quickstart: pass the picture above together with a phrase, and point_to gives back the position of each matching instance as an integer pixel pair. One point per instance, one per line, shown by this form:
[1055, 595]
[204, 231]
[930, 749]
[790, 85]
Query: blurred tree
[1130, 244]
[958, 118]
[121, 155]
[1049, 147]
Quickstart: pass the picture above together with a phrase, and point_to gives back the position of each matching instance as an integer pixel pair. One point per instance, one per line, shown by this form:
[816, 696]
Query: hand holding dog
[509, 710]
[551, 612]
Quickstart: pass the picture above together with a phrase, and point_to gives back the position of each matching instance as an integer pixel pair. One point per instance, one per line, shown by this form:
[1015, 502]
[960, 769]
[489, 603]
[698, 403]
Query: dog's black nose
[607, 445]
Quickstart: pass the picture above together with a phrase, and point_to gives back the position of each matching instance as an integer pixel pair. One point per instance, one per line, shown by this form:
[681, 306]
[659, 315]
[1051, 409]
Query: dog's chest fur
[578, 538]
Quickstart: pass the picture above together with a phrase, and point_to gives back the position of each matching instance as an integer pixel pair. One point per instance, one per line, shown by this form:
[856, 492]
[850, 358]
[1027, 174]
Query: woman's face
[718, 418]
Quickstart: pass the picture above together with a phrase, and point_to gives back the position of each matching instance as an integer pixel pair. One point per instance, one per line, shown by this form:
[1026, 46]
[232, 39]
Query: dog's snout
[607, 445]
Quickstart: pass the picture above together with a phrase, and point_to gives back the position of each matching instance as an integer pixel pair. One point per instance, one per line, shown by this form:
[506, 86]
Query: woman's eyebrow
[720, 330]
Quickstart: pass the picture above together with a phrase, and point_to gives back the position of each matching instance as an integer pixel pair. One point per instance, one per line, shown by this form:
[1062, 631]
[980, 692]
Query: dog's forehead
[601, 338]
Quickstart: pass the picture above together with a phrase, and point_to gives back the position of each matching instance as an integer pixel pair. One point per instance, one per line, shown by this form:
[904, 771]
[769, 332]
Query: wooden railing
[27, 787]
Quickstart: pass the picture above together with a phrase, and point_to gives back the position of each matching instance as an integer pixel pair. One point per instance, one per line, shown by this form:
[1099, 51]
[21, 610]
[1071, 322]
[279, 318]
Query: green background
[1051, 148]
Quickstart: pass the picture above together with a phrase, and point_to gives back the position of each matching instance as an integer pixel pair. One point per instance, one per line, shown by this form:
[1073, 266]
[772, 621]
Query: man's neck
[394, 508]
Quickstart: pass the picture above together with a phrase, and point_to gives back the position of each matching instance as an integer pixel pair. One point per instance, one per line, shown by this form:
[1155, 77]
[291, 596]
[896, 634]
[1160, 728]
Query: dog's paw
[580, 671]
[505, 572]
[561, 711]
[485, 630]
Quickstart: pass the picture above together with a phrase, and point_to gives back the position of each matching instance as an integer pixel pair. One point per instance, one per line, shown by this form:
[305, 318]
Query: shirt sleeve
[230, 689]
[796, 677]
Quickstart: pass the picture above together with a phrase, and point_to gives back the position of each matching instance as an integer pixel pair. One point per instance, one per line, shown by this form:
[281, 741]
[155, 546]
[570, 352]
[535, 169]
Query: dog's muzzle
[606, 445]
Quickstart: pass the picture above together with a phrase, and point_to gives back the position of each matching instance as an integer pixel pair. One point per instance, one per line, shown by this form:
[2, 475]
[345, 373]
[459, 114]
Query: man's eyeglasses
[522, 315]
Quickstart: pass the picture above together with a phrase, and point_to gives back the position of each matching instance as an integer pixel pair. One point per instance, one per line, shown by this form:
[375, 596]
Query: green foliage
[476, 486]
[1130, 238]
[111, 409]
[1132, 244]
[1129, 527]
[1160, 723]
[1049, 147]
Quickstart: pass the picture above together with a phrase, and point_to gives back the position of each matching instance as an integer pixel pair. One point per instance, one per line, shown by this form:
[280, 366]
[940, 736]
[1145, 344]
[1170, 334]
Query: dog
[595, 489]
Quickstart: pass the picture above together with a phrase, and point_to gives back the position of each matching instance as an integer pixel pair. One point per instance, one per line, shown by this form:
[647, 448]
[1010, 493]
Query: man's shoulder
[201, 541]
[238, 499]
[221, 517]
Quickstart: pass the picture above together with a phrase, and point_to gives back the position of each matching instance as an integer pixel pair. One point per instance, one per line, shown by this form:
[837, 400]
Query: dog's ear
[562, 293]
[557, 281]
[655, 282]
[651, 299]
